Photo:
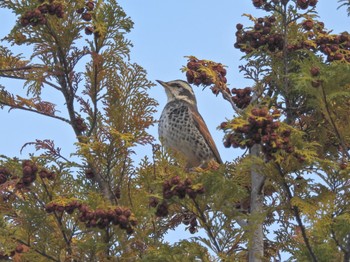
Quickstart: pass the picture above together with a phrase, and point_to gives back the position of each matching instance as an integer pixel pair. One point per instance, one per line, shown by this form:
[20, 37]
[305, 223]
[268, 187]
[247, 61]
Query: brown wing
[203, 129]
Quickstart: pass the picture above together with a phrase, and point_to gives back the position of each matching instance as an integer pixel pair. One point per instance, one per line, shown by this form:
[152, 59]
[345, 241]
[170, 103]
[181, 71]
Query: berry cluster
[241, 97]
[89, 30]
[175, 187]
[4, 175]
[304, 4]
[29, 174]
[315, 72]
[260, 129]
[267, 5]
[204, 72]
[47, 174]
[80, 124]
[261, 3]
[29, 170]
[190, 220]
[37, 16]
[335, 47]
[100, 218]
[259, 36]
[308, 24]
[59, 207]
[86, 15]
[84, 11]
[162, 208]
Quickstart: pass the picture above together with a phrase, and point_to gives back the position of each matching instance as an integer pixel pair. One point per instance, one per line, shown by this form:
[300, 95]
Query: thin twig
[20, 68]
[208, 229]
[34, 111]
[227, 97]
[345, 151]
[37, 250]
[297, 215]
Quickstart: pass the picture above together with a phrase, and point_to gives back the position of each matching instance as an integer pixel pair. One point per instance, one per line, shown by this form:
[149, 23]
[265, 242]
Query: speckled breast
[178, 132]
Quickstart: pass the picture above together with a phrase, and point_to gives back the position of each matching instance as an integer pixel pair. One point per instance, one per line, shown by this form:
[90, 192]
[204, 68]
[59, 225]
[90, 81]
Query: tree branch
[207, 227]
[324, 96]
[297, 215]
[34, 111]
[37, 250]
[256, 250]
[228, 98]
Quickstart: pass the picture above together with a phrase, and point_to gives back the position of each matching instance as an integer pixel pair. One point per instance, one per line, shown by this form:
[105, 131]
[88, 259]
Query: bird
[181, 127]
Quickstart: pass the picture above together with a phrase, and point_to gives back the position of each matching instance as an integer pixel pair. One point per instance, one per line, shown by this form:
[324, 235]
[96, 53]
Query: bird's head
[179, 90]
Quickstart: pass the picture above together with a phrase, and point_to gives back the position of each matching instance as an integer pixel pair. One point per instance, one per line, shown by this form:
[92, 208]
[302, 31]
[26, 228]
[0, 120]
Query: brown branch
[52, 85]
[297, 215]
[24, 78]
[20, 68]
[228, 97]
[324, 96]
[94, 118]
[58, 220]
[67, 91]
[342, 248]
[37, 250]
[207, 227]
[34, 111]
[14, 77]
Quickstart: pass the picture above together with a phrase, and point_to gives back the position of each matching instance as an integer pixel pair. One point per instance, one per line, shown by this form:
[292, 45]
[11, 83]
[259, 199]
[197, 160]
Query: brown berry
[190, 76]
[51, 176]
[338, 56]
[313, 2]
[223, 125]
[303, 4]
[343, 166]
[175, 180]
[308, 24]
[162, 210]
[90, 5]
[315, 71]
[19, 248]
[43, 173]
[239, 26]
[192, 230]
[89, 173]
[86, 17]
[27, 171]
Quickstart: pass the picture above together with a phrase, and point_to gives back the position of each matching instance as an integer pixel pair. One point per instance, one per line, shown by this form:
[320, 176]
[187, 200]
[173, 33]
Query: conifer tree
[293, 123]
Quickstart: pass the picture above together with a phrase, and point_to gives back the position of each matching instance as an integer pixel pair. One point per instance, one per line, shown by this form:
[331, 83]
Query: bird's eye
[176, 85]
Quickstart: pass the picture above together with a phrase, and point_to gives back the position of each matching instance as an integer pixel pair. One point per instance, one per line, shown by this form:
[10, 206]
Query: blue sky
[164, 32]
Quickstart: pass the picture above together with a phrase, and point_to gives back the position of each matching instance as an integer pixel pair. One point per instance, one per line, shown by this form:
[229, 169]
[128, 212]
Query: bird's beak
[167, 89]
[161, 82]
